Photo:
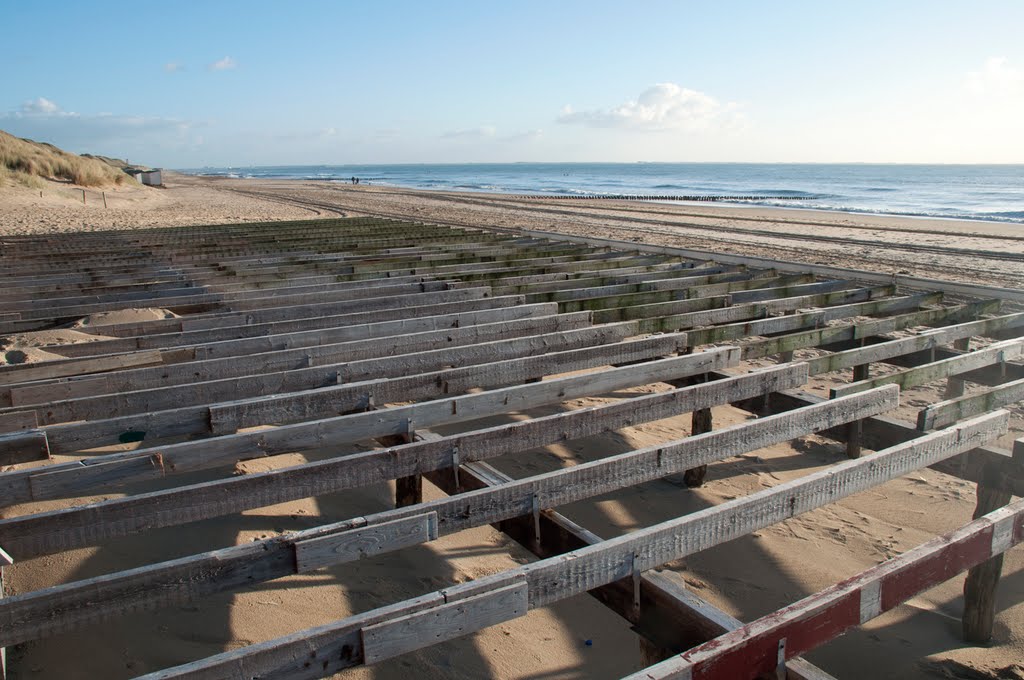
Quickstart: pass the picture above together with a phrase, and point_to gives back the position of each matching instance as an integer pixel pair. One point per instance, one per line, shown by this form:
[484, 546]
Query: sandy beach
[577, 638]
[970, 251]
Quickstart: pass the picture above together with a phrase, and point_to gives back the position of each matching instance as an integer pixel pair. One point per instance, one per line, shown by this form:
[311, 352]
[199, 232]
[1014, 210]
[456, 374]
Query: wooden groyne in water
[663, 197]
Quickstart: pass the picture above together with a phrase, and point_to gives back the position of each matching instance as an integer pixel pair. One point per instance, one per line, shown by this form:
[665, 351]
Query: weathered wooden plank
[301, 332]
[949, 411]
[23, 446]
[560, 577]
[912, 282]
[211, 393]
[758, 647]
[926, 340]
[233, 325]
[125, 381]
[997, 353]
[815, 318]
[760, 310]
[986, 464]
[444, 622]
[355, 544]
[18, 420]
[77, 477]
[64, 368]
[34, 615]
[305, 404]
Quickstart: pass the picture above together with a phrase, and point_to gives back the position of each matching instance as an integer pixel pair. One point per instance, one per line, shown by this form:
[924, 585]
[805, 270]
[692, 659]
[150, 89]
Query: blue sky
[190, 84]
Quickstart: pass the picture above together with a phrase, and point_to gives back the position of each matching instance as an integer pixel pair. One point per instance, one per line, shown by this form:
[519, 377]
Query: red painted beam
[761, 646]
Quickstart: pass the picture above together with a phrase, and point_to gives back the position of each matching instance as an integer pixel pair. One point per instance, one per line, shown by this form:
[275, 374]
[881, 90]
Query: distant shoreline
[979, 193]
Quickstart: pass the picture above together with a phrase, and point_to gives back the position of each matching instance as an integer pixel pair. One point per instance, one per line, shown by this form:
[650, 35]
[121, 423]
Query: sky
[191, 84]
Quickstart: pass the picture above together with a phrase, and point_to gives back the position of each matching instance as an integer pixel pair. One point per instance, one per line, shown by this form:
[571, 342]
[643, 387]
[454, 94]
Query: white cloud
[482, 132]
[174, 66]
[997, 77]
[665, 106]
[39, 106]
[526, 136]
[225, 64]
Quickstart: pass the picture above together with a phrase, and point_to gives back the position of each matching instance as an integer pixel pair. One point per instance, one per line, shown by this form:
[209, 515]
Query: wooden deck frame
[279, 268]
[559, 577]
[154, 585]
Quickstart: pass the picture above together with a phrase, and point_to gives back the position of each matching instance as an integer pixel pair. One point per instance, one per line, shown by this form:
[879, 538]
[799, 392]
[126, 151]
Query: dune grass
[26, 162]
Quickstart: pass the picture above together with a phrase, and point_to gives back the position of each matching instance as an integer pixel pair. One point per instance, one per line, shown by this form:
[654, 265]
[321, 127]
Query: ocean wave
[1015, 215]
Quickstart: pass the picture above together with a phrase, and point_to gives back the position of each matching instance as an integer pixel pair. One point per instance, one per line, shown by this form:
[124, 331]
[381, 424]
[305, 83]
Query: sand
[747, 577]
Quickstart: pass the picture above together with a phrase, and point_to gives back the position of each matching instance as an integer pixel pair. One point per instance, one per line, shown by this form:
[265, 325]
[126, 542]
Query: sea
[969, 192]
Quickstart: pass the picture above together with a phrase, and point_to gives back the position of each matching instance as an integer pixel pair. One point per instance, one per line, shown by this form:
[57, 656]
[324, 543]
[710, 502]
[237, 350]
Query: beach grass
[26, 162]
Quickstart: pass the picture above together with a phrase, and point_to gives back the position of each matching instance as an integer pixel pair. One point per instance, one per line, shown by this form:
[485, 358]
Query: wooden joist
[949, 411]
[994, 354]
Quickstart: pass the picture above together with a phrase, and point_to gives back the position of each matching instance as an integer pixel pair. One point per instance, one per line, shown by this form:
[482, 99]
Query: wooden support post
[786, 356]
[856, 428]
[954, 385]
[5, 561]
[983, 580]
[104, 199]
[408, 490]
[700, 422]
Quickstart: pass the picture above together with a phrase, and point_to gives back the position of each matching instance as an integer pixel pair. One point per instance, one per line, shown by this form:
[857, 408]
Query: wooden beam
[23, 446]
[760, 310]
[911, 282]
[986, 464]
[127, 381]
[205, 395]
[305, 332]
[922, 341]
[72, 367]
[996, 353]
[943, 413]
[18, 420]
[759, 647]
[225, 417]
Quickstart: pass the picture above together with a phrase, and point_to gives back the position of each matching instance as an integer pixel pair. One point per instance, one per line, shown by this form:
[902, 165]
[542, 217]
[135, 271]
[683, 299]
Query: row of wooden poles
[666, 197]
